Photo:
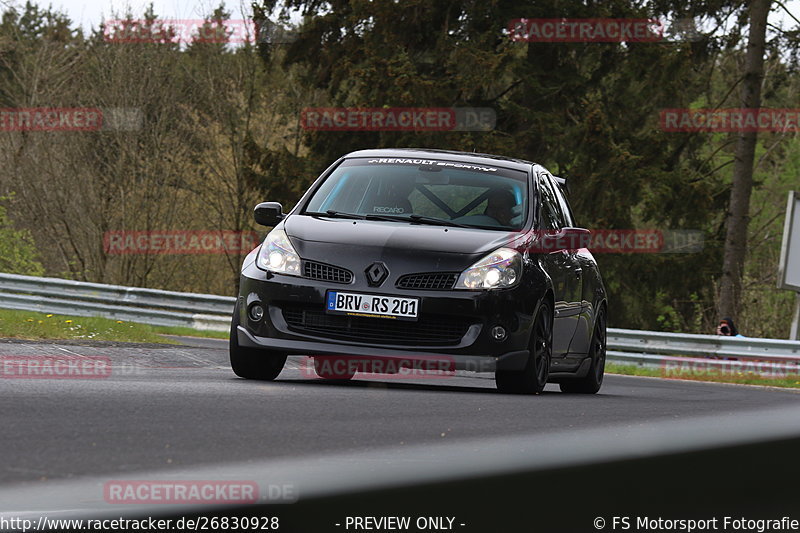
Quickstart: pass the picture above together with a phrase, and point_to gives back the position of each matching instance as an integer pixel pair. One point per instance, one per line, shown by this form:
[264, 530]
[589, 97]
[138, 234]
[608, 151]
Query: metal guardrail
[132, 304]
[657, 342]
[209, 312]
[679, 354]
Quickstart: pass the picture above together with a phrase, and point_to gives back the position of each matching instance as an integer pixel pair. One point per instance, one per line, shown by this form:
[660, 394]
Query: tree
[738, 214]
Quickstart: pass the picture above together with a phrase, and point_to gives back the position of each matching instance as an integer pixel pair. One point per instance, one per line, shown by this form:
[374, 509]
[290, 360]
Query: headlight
[498, 270]
[277, 254]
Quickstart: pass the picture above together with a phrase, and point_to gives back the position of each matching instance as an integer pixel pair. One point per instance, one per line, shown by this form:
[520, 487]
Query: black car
[414, 256]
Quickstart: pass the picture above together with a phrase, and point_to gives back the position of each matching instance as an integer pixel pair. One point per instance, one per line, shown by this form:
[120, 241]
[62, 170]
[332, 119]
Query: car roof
[447, 155]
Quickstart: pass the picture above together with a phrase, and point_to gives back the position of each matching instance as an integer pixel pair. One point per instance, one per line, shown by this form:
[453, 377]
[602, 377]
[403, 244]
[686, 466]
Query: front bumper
[474, 363]
[476, 312]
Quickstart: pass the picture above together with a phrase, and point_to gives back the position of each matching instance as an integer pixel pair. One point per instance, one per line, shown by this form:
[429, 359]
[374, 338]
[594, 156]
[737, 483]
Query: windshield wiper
[419, 219]
[336, 214]
[436, 221]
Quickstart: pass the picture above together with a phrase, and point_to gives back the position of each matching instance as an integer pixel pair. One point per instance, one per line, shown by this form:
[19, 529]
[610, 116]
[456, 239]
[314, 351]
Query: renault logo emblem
[376, 273]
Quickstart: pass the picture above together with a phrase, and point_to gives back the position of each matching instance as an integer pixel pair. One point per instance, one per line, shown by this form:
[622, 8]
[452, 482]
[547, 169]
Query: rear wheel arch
[602, 307]
[593, 380]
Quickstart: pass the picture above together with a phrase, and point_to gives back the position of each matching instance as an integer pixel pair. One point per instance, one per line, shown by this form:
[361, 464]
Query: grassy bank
[791, 381]
[35, 326]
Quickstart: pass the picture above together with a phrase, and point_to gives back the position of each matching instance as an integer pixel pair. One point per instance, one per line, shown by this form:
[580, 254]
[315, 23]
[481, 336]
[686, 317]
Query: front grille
[429, 330]
[323, 272]
[430, 281]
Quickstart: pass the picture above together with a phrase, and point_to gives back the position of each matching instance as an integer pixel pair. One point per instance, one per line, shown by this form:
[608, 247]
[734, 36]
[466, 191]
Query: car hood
[399, 236]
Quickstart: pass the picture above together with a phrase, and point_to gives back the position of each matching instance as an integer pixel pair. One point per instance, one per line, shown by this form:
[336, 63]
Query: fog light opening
[256, 312]
[499, 333]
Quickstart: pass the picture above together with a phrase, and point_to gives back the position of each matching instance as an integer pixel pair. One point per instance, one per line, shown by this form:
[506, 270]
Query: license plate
[372, 305]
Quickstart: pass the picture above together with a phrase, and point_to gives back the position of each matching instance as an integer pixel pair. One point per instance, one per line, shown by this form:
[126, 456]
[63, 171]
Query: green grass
[792, 382]
[36, 326]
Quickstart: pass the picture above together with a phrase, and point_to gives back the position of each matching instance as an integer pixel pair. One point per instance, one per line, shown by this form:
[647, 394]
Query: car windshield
[428, 190]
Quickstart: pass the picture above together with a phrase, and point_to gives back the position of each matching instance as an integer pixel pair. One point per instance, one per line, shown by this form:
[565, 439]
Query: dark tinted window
[563, 204]
[551, 215]
[471, 194]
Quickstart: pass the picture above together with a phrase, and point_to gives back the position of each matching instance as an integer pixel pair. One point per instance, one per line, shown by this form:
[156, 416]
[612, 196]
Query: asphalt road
[165, 407]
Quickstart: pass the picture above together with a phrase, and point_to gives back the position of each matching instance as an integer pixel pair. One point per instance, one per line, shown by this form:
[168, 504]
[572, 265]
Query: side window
[551, 215]
[563, 204]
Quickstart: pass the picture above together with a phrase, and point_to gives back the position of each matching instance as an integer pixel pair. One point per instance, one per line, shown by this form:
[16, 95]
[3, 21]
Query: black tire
[533, 378]
[328, 367]
[597, 352]
[253, 363]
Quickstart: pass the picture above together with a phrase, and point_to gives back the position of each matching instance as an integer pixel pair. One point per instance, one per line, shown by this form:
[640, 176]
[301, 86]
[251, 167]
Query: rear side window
[551, 214]
[566, 212]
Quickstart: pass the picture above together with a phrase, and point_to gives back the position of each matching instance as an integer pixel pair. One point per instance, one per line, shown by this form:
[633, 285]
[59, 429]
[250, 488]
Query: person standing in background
[727, 328]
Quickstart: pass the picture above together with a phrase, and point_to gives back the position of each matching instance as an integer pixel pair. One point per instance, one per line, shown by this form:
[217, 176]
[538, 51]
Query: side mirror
[268, 213]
